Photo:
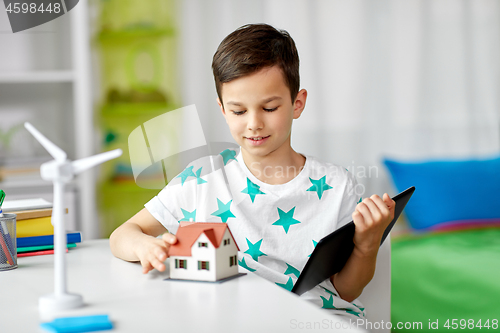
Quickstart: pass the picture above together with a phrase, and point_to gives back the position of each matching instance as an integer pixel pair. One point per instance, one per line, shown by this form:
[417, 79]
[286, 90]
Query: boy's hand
[154, 252]
[371, 217]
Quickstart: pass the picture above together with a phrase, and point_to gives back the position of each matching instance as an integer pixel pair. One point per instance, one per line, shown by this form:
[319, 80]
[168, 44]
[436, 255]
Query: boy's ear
[300, 103]
[221, 106]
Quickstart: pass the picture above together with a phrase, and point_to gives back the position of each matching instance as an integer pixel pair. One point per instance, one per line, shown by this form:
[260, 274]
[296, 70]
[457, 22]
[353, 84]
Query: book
[33, 216]
[32, 222]
[35, 227]
[332, 251]
[25, 204]
[33, 213]
[71, 237]
[36, 253]
[40, 248]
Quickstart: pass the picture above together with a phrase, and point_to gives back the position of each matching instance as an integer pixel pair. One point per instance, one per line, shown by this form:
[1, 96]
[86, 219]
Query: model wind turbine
[61, 171]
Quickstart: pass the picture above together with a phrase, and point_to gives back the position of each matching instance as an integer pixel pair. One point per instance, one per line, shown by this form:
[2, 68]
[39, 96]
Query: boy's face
[259, 112]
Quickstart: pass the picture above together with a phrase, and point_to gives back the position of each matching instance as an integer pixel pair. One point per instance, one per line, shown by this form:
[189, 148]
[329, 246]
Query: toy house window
[233, 260]
[203, 265]
[180, 263]
[226, 241]
[202, 244]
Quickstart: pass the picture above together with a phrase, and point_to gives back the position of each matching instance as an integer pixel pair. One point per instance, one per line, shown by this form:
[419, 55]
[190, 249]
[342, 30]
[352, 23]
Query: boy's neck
[278, 167]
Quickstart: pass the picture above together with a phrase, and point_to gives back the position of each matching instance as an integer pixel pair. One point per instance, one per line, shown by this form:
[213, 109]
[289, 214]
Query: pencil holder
[8, 246]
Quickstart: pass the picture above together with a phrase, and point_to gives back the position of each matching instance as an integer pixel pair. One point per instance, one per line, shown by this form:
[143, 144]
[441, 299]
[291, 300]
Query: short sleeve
[185, 196]
[176, 202]
[156, 208]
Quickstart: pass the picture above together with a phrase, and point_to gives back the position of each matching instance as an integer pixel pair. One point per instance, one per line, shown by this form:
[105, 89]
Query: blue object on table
[71, 237]
[449, 190]
[79, 324]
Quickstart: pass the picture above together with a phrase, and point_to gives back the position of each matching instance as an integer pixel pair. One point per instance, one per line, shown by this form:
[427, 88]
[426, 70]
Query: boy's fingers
[160, 254]
[365, 213]
[158, 264]
[146, 267]
[169, 238]
[357, 217]
[382, 206]
[374, 209]
[391, 204]
[388, 201]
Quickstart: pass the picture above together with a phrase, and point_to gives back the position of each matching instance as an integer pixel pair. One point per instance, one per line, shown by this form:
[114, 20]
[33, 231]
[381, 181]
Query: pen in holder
[8, 248]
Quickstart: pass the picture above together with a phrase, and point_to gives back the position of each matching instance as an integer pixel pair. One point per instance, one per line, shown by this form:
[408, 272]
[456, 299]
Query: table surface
[139, 302]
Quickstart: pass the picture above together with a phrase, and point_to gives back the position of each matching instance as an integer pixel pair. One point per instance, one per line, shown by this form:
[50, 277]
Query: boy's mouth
[257, 140]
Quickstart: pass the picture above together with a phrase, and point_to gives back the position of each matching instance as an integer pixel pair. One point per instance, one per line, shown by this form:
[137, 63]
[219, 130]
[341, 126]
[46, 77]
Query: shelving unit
[37, 77]
[136, 42]
[45, 79]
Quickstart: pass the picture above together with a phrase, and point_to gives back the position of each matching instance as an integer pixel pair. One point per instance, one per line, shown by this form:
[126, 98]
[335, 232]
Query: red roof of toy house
[189, 232]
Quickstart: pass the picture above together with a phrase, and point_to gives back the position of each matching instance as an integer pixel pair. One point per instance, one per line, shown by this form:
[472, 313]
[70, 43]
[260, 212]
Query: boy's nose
[255, 122]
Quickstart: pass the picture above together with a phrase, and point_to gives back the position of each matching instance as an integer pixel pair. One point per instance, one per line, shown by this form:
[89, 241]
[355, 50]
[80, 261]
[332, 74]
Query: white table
[139, 302]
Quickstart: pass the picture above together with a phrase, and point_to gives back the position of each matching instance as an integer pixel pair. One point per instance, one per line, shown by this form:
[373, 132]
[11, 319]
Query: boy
[278, 203]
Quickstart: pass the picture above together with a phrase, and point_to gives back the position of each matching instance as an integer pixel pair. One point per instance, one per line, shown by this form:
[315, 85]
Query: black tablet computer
[331, 252]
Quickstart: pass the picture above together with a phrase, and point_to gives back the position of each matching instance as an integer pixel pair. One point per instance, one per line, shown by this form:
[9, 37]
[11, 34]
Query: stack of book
[34, 230]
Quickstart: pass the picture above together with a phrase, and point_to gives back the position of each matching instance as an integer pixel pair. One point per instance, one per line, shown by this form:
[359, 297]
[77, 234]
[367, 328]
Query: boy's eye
[239, 113]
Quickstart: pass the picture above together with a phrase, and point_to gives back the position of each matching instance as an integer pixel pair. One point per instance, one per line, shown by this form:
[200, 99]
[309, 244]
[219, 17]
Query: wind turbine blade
[57, 153]
[88, 162]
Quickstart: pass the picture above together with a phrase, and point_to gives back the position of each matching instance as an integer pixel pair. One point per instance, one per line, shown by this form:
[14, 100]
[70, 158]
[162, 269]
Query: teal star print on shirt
[352, 312]
[288, 285]
[188, 172]
[198, 178]
[224, 211]
[314, 243]
[254, 250]
[228, 155]
[286, 219]
[319, 186]
[292, 270]
[243, 264]
[188, 215]
[252, 189]
[328, 303]
[360, 308]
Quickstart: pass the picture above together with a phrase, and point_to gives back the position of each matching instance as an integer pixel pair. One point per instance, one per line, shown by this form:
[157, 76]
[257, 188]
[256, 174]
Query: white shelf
[37, 76]
[45, 78]
[32, 183]
[28, 183]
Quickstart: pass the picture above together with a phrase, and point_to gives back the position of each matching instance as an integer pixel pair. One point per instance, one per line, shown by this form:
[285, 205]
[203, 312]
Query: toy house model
[204, 251]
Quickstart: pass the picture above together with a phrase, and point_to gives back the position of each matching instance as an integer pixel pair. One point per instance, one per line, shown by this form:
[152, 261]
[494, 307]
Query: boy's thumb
[389, 202]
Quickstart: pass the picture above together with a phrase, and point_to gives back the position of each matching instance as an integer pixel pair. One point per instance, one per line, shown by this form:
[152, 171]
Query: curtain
[412, 79]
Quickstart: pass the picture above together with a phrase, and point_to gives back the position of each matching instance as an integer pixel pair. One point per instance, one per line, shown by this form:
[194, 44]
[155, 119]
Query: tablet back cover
[331, 252]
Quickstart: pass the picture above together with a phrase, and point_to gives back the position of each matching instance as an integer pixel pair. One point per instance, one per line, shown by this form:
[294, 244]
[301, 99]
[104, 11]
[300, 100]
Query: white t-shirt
[276, 227]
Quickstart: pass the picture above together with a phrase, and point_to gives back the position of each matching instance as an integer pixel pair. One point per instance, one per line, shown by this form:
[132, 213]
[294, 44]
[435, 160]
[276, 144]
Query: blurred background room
[413, 81]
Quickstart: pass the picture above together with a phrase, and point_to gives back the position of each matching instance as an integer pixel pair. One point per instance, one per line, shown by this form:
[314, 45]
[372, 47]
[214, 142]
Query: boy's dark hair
[253, 47]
